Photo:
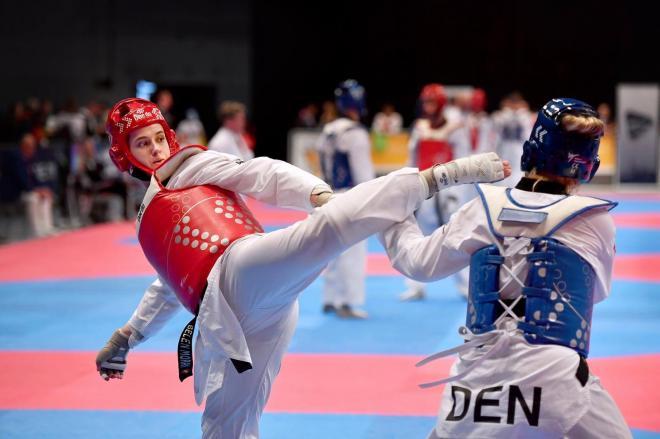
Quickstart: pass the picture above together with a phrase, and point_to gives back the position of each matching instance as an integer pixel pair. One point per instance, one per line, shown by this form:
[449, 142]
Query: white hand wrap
[479, 168]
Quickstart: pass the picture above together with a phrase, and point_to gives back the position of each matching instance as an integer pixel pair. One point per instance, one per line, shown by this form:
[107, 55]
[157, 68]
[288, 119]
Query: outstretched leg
[272, 269]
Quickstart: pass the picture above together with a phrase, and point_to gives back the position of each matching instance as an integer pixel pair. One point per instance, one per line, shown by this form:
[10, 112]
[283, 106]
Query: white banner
[301, 149]
[637, 132]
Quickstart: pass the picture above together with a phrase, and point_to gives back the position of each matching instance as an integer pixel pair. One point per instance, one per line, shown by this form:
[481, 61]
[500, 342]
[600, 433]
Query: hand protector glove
[111, 360]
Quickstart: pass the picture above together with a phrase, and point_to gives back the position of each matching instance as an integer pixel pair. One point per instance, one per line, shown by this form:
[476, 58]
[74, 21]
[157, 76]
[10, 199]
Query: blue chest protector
[337, 170]
[336, 166]
[558, 291]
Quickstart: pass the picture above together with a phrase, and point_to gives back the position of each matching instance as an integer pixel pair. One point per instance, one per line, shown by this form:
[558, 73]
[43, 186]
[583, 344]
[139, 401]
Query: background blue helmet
[551, 150]
[350, 95]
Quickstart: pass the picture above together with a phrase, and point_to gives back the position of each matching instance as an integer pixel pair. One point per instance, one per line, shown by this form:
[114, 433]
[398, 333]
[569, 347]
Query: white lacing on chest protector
[507, 249]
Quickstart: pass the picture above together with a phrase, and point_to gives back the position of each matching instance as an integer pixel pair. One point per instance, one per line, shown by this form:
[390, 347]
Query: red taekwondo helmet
[434, 92]
[478, 100]
[125, 117]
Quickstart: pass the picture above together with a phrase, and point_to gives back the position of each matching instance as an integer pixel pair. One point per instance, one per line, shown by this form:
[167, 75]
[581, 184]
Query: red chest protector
[184, 231]
[432, 151]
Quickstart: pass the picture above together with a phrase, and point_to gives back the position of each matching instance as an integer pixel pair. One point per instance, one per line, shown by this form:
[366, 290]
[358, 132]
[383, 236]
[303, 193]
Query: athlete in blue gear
[345, 151]
[539, 258]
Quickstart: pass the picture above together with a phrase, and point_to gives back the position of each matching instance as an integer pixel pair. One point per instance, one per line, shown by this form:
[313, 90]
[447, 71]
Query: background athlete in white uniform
[505, 383]
[480, 124]
[345, 151]
[229, 138]
[250, 308]
[434, 138]
[512, 124]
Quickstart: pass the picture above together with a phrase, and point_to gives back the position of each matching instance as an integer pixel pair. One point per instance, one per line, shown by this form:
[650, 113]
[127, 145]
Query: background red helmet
[478, 100]
[124, 118]
[434, 92]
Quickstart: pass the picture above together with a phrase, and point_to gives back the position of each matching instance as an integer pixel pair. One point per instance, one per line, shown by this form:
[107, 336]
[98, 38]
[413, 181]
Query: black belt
[185, 353]
[184, 350]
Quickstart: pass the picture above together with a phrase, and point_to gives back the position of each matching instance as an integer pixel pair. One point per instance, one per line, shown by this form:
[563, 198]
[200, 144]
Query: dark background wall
[100, 49]
[544, 49]
[277, 56]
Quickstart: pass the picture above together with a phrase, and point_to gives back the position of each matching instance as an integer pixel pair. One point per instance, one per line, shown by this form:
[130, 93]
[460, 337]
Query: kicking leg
[272, 269]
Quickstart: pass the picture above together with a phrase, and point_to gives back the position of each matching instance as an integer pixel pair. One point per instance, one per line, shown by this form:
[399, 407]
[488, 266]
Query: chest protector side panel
[483, 289]
[559, 297]
[183, 232]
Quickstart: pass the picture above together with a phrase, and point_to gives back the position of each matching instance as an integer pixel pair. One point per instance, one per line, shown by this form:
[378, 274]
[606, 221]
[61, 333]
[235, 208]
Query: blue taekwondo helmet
[350, 94]
[551, 150]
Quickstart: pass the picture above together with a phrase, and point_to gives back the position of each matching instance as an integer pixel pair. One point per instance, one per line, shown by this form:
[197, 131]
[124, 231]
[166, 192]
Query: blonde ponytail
[588, 126]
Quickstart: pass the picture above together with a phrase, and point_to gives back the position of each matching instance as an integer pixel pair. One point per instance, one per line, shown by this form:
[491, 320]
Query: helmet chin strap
[138, 173]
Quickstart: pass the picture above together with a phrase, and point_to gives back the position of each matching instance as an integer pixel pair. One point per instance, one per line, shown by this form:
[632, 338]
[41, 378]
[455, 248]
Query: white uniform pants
[345, 277]
[39, 211]
[262, 275]
[523, 391]
[603, 419]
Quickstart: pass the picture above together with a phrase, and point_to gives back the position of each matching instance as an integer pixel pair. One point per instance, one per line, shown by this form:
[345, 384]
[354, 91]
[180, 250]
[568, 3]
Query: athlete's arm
[272, 181]
[157, 306]
[447, 250]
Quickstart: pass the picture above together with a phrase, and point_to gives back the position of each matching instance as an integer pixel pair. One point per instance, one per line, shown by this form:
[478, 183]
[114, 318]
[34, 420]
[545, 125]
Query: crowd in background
[55, 172]
[510, 124]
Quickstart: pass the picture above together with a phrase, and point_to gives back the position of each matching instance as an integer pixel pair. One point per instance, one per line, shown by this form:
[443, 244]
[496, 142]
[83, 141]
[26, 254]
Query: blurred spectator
[37, 179]
[18, 124]
[190, 130]
[100, 196]
[307, 116]
[94, 114]
[513, 125]
[165, 102]
[65, 128]
[229, 138]
[39, 120]
[388, 121]
[480, 124]
[68, 124]
[328, 113]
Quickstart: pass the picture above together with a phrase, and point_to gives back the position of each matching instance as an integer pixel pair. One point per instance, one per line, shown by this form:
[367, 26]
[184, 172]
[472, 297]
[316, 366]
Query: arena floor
[61, 298]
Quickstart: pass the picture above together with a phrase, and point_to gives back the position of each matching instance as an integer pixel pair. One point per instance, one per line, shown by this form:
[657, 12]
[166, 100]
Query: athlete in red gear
[212, 257]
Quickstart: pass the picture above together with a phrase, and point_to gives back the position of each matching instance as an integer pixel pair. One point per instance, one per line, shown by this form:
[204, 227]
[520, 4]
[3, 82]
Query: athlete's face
[149, 145]
[429, 106]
